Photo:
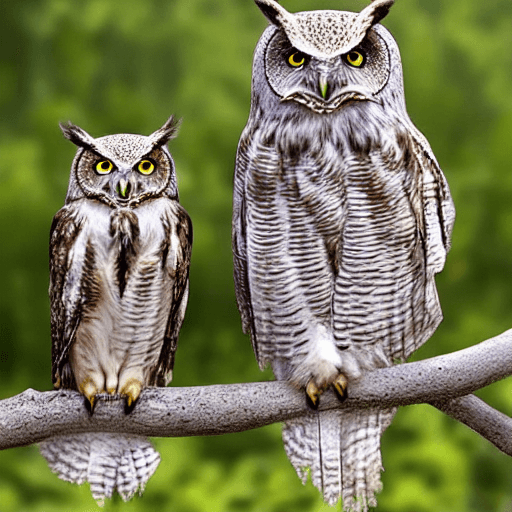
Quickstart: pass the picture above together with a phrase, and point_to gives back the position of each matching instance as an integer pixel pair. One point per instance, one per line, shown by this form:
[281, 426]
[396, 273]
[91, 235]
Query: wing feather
[65, 297]
[436, 219]
[178, 227]
[439, 188]
[239, 240]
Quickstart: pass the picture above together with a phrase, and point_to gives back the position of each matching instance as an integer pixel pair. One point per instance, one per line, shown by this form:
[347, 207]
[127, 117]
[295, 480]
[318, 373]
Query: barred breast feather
[336, 240]
[119, 288]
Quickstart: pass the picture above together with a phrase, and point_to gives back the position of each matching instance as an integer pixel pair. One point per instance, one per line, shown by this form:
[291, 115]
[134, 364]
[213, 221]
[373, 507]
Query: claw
[131, 390]
[340, 387]
[89, 390]
[313, 394]
[90, 404]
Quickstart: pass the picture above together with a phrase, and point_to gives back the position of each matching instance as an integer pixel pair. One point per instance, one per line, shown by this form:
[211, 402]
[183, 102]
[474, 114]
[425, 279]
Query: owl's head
[122, 169]
[326, 59]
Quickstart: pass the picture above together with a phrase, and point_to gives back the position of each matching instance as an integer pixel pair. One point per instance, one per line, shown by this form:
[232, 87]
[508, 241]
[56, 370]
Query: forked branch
[446, 382]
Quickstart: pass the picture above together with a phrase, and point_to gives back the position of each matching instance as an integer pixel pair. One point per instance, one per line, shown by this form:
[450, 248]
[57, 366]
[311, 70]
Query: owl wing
[239, 243]
[66, 272]
[177, 248]
[438, 207]
[436, 216]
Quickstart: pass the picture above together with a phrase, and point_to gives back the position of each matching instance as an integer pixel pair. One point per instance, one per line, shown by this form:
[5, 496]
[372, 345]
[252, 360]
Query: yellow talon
[340, 387]
[89, 390]
[313, 394]
[131, 390]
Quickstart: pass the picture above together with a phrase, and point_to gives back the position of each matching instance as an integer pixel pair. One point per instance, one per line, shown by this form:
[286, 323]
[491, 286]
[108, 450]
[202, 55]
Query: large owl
[119, 266]
[342, 217]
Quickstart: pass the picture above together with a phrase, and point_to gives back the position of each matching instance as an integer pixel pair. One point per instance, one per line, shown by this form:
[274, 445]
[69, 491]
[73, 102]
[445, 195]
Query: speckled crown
[325, 34]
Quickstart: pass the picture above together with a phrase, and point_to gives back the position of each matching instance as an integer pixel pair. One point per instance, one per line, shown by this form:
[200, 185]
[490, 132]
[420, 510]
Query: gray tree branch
[446, 382]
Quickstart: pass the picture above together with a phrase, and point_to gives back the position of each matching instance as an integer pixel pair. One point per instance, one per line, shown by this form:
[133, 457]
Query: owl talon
[313, 395]
[340, 387]
[89, 390]
[131, 390]
[90, 404]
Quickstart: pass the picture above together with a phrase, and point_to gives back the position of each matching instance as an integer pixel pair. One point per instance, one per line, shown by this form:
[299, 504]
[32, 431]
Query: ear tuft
[274, 12]
[77, 136]
[167, 132]
[376, 11]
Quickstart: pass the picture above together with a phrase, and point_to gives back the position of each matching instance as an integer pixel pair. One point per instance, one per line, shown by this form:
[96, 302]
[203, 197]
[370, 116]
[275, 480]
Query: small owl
[342, 217]
[119, 268]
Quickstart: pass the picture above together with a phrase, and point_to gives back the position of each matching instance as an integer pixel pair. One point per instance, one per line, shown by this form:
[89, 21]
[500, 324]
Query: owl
[119, 272]
[342, 217]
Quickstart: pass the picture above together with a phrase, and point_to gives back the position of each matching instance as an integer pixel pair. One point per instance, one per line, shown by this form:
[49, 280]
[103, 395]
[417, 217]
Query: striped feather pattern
[343, 240]
[341, 219]
[316, 441]
[119, 266]
[119, 285]
[119, 288]
[107, 461]
[336, 242]
[379, 291]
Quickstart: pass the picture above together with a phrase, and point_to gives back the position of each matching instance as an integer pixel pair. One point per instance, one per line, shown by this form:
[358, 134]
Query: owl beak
[323, 86]
[123, 188]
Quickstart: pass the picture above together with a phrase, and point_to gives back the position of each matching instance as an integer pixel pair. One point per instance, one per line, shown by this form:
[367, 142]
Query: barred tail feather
[109, 462]
[341, 449]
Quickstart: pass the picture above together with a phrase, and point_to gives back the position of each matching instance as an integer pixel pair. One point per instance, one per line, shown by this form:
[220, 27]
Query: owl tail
[109, 462]
[342, 451]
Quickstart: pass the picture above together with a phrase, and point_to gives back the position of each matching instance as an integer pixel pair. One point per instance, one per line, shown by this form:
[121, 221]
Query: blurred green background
[113, 66]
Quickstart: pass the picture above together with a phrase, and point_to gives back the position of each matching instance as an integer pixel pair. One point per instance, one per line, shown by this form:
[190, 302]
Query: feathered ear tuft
[375, 12]
[167, 132]
[274, 12]
[77, 136]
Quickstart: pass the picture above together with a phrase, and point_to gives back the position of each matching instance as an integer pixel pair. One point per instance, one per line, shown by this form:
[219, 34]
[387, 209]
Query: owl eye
[296, 59]
[146, 167]
[355, 59]
[104, 166]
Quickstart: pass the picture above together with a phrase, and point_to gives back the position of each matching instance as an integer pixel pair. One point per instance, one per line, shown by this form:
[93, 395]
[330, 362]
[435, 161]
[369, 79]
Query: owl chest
[328, 211]
[127, 288]
[297, 193]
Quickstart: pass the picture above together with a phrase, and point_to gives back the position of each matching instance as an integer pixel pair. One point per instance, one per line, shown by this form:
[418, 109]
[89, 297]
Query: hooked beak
[323, 86]
[123, 188]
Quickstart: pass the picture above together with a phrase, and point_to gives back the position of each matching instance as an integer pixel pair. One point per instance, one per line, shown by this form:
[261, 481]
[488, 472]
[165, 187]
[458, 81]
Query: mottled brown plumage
[119, 263]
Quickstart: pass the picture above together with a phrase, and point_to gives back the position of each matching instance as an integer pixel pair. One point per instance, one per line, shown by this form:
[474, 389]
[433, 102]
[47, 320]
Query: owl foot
[89, 390]
[131, 390]
[340, 387]
[313, 391]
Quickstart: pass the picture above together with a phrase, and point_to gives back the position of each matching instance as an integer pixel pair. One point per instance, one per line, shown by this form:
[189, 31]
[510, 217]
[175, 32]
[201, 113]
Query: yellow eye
[104, 166]
[146, 167]
[296, 59]
[355, 58]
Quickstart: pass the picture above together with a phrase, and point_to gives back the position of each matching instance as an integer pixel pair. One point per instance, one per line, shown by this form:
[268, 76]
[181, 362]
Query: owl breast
[129, 258]
[336, 268]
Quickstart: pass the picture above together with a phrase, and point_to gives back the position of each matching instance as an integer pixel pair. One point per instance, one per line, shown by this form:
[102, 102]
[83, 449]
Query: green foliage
[124, 67]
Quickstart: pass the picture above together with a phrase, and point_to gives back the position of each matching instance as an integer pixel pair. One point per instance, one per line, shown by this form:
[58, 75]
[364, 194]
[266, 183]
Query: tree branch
[442, 381]
[491, 424]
